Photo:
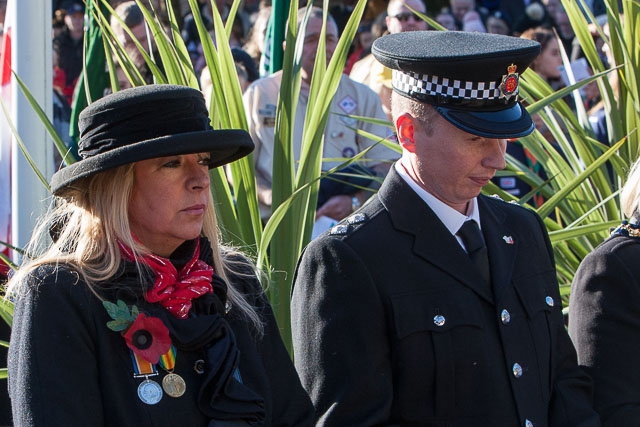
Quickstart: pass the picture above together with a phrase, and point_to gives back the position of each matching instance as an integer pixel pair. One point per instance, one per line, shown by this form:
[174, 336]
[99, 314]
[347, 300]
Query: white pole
[31, 60]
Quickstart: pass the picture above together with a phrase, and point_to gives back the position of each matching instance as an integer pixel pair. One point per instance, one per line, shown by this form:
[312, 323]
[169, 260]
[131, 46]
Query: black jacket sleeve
[604, 323]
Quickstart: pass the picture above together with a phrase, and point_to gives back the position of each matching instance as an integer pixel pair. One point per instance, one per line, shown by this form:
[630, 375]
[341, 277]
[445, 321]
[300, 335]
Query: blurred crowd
[247, 38]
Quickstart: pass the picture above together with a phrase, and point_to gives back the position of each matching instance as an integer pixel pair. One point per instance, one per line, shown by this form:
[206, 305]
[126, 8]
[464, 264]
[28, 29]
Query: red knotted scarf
[175, 290]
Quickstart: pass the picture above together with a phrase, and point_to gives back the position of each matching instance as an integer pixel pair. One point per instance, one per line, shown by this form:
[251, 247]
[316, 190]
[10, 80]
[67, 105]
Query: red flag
[5, 136]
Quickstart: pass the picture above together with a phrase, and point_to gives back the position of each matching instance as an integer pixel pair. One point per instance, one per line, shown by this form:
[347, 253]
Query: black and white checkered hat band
[423, 86]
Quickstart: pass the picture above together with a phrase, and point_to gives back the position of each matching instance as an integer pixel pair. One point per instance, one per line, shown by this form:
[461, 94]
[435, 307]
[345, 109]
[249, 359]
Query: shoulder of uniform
[349, 224]
[510, 202]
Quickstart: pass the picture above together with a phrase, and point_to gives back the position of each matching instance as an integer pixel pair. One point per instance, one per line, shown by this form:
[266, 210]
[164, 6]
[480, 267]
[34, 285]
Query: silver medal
[149, 392]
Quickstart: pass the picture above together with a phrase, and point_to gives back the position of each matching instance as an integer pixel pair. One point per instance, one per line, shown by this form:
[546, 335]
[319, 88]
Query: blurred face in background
[447, 21]
[496, 25]
[75, 23]
[400, 18]
[460, 7]
[548, 63]
[311, 41]
[552, 6]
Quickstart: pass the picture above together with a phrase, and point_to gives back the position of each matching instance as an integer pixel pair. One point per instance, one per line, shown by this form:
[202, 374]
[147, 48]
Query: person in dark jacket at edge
[604, 321]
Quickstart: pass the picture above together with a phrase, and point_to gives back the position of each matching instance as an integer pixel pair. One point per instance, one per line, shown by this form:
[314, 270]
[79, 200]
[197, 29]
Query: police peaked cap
[471, 79]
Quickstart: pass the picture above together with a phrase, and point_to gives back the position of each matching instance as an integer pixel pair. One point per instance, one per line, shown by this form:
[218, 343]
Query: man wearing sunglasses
[400, 18]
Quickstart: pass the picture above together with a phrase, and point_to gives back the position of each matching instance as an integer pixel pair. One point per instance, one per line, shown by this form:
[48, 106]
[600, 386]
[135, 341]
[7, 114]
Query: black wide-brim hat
[471, 79]
[146, 122]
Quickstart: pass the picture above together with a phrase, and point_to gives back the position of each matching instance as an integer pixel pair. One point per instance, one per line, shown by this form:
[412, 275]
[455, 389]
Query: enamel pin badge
[508, 240]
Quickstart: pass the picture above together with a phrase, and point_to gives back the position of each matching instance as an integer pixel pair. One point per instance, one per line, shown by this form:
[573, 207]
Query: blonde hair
[88, 219]
[630, 194]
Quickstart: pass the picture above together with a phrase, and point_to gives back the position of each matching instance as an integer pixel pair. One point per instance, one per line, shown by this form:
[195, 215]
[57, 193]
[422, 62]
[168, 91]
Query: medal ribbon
[141, 367]
[168, 360]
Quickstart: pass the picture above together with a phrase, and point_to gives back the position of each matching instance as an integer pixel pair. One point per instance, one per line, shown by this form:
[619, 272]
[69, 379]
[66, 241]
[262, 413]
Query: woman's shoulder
[46, 276]
[48, 280]
[625, 237]
[620, 250]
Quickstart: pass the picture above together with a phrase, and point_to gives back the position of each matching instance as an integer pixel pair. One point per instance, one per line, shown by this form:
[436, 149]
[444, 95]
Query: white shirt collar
[451, 218]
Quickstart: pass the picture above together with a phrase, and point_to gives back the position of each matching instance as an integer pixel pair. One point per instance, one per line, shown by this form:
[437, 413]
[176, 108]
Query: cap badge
[509, 85]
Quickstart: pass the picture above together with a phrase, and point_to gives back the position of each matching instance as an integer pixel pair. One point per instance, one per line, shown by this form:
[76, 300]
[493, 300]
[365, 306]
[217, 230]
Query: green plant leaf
[6, 311]
[118, 325]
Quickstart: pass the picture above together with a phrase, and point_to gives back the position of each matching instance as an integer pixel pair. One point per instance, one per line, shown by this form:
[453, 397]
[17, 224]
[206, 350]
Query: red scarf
[175, 290]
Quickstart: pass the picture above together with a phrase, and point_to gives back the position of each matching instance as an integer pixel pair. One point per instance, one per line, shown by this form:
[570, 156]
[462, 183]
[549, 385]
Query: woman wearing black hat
[135, 315]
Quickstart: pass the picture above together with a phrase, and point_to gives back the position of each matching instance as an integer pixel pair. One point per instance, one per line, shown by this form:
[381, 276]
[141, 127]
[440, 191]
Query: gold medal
[173, 385]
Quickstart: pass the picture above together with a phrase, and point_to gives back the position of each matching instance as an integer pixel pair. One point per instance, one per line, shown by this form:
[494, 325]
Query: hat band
[438, 90]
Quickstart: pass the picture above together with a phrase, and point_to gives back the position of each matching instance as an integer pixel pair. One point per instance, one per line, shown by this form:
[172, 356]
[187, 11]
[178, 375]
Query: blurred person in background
[341, 137]
[446, 19]
[498, 23]
[400, 18]
[68, 45]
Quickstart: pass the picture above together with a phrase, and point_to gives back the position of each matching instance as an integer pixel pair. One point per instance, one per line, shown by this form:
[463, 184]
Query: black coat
[391, 326]
[67, 368]
[604, 323]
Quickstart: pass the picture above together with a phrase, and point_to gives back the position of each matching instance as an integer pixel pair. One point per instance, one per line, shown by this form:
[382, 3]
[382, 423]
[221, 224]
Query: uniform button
[549, 301]
[517, 370]
[439, 320]
[528, 423]
[505, 316]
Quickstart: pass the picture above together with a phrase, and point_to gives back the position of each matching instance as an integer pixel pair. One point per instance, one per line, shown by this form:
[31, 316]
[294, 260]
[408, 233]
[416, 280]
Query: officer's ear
[405, 125]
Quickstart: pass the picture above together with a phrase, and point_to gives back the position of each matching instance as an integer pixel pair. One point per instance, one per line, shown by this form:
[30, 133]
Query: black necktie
[474, 243]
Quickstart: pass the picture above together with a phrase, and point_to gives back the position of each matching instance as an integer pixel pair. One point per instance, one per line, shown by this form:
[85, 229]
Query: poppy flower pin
[145, 335]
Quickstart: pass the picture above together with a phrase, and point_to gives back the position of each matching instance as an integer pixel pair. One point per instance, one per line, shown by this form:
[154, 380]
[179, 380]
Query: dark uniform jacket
[392, 327]
[604, 323]
[67, 368]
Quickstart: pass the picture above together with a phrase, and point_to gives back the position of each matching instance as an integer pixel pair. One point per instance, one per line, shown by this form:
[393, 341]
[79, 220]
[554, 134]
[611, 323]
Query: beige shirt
[340, 140]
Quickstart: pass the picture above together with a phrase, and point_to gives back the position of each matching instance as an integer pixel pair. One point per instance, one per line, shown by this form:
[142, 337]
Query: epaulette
[349, 224]
[627, 229]
[511, 202]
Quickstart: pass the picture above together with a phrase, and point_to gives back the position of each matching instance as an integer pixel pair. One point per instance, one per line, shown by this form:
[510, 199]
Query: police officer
[434, 305]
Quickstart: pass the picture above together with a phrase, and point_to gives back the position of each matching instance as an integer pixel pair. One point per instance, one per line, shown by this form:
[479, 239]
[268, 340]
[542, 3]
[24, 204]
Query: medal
[173, 385]
[149, 392]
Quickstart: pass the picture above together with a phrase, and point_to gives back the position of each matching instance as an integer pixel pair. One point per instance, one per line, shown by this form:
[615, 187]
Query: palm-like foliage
[585, 175]
[581, 193]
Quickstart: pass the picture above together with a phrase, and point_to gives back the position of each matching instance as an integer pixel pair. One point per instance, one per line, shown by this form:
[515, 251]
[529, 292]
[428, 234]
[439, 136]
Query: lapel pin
[508, 240]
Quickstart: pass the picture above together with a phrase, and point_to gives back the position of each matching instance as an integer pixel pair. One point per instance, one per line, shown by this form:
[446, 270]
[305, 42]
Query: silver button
[528, 423]
[517, 370]
[438, 320]
[549, 301]
[505, 316]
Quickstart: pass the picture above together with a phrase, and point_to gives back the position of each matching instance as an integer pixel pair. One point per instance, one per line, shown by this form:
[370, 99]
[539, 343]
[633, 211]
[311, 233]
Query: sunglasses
[404, 17]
